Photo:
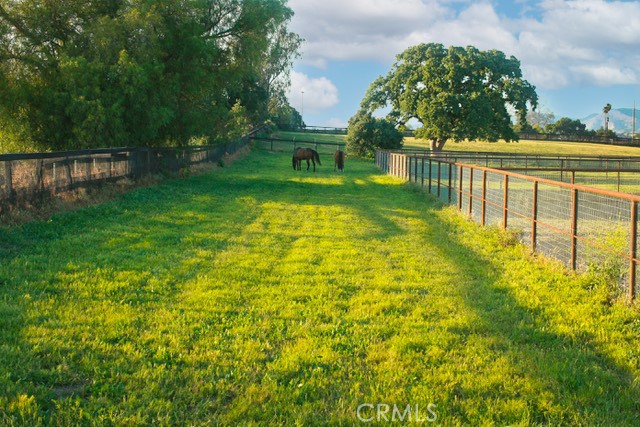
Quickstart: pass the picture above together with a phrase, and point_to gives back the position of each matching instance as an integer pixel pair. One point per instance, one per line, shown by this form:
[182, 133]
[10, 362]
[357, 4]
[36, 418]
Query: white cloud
[582, 42]
[337, 123]
[319, 93]
[361, 29]
[559, 42]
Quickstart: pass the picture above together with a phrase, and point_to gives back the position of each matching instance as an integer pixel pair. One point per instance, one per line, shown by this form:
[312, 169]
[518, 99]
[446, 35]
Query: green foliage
[81, 74]
[285, 117]
[606, 133]
[366, 133]
[253, 296]
[455, 93]
[567, 126]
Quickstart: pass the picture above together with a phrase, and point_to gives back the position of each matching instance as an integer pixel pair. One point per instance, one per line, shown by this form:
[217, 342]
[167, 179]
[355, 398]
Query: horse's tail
[341, 160]
[316, 156]
[293, 160]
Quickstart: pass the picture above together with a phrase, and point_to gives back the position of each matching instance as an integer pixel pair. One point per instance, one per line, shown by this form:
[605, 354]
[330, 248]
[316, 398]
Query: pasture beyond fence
[583, 227]
[618, 173]
[279, 144]
[26, 176]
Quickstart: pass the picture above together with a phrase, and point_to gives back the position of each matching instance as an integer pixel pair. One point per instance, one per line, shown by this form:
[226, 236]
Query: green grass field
[256, 295]
[533, 147]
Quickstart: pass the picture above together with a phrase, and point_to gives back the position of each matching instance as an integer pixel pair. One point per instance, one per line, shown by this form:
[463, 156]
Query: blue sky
[579, 54]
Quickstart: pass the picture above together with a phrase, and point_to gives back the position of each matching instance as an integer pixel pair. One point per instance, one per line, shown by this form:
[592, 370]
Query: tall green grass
[257, 295]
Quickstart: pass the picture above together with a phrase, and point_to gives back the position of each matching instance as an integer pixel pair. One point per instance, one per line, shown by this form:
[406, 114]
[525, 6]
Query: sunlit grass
[257, 295]
[532, 147]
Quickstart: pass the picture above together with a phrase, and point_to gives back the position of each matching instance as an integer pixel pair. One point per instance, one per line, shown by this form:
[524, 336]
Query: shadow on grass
[168, 234]
[577, 383]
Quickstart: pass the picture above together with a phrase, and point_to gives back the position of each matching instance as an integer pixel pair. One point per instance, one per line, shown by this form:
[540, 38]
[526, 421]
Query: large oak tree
[455, 93]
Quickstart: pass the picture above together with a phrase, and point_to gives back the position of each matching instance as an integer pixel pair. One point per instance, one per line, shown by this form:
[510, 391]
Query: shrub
[366, 133]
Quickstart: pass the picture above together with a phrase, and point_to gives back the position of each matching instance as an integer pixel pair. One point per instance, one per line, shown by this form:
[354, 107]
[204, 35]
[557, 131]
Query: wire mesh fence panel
[442, 181]
[554, 222]
[455, 185]
[465, 186]
[603, 230]
[581, 227]
[520, 207]
[25, 175]
[477, 199]
[553, 244]
[494, 206]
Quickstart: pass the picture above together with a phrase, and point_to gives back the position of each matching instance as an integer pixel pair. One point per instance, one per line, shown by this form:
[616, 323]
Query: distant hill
[620, 120]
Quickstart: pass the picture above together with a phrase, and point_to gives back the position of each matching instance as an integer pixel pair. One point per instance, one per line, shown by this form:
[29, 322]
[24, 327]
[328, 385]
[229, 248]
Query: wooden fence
[582, 226]
[25, 176]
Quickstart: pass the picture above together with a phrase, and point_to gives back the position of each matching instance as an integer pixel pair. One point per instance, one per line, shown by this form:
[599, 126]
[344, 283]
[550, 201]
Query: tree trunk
[436, 145]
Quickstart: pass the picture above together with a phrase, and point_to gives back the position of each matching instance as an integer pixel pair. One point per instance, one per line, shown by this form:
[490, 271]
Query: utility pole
[302, 110]
[633, 123]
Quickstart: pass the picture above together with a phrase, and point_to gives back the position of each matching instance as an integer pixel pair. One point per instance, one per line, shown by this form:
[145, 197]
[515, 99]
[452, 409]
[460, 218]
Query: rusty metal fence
[581, 226]
[23, 176]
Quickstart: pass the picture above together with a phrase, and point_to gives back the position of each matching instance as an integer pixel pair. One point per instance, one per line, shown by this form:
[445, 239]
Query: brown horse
[302, 153]
[338, 160]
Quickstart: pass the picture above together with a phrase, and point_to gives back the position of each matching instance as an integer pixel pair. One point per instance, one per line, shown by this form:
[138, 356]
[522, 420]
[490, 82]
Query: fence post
[450, 183]
[484, 198]
[460, 181]
[574, 228]
[430, 173]
[54, 178]
[505, 207]
[422, 175]
[633, 250]
[67, 168]
[407, 167]
[8, 178]
[439, 178]
[470, 191]
[87, 169]
[619, 177]
[534, 216]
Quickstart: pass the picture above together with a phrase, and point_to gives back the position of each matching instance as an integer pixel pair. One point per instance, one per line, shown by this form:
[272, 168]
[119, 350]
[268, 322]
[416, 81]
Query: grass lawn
[256, 295]
[533, 147]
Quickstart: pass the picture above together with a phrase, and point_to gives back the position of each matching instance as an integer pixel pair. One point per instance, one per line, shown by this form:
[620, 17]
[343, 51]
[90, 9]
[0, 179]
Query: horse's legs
[314, 164]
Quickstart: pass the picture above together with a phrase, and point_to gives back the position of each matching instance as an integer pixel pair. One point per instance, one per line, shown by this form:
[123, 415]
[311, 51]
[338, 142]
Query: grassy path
[259, 296]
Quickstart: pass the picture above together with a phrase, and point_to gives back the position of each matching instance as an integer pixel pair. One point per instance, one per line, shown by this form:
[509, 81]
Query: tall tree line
[89, 73]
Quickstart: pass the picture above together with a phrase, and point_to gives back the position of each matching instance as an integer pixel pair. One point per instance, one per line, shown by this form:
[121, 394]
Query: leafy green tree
[606, 133]
[134, 72]
[567, 126]
[539, 120]
[284, 116]
[366, 133]
[455, 93]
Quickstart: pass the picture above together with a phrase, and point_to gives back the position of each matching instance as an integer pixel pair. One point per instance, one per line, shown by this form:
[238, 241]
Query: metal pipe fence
[581, 226]
[529, 161]
[278, 144]
[25, 176]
